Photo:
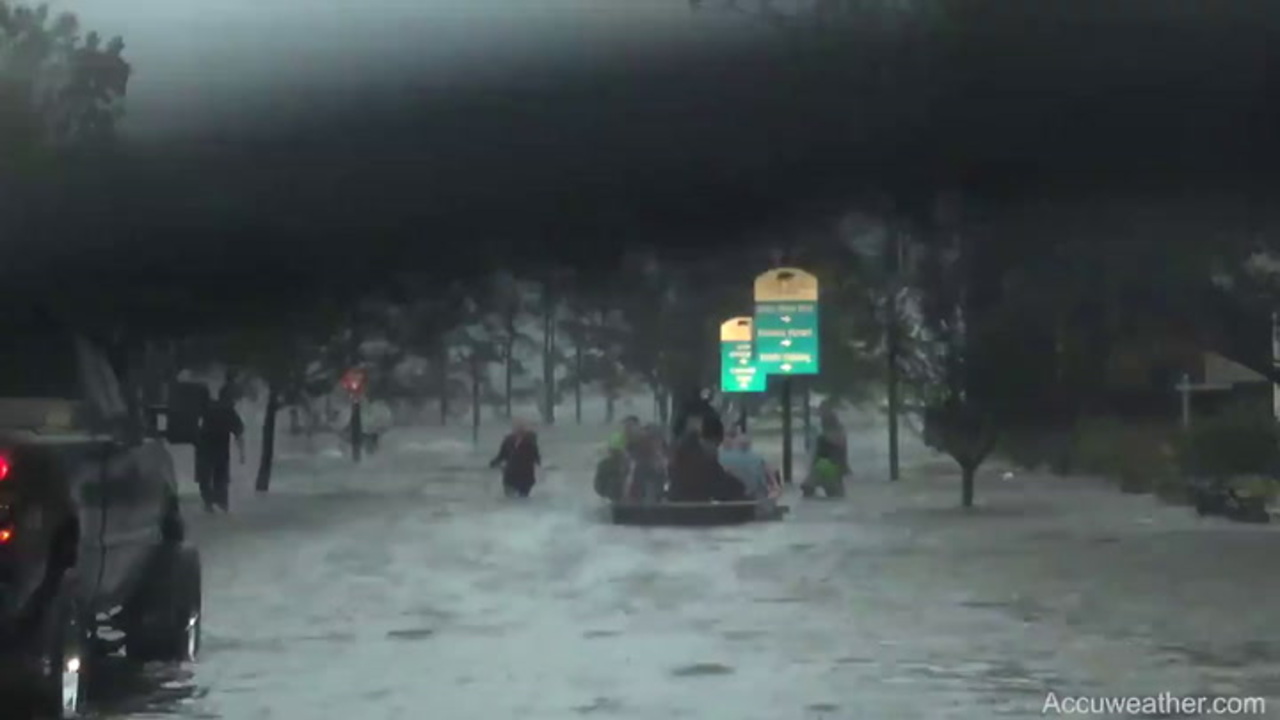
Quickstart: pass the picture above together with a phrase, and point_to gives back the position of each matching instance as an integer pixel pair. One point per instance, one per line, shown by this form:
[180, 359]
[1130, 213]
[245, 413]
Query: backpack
[611, 476]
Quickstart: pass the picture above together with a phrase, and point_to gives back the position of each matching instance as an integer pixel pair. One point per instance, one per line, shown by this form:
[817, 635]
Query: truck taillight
[4, 467]
[6, 534]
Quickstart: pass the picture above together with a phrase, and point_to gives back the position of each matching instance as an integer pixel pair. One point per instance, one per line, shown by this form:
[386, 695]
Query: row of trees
[546, 336]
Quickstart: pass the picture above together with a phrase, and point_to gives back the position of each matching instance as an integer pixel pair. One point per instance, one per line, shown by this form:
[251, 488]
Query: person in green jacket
[612, 471]
[624, 436]
[829, 459]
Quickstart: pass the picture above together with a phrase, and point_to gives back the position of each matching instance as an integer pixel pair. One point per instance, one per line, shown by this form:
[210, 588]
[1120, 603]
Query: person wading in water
[519, 458]
[218, 426]
[829, 459]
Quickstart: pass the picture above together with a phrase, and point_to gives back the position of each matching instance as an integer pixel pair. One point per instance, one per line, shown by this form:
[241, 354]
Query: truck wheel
[165, 616]
[60, 649]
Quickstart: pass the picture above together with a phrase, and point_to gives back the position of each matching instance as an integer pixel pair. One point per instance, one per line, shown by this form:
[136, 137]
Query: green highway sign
[738, 371]
[786, 322]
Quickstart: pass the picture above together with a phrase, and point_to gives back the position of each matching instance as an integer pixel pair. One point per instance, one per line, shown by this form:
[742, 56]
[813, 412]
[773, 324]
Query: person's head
[631, 424]
[226, 394]
[519, 425]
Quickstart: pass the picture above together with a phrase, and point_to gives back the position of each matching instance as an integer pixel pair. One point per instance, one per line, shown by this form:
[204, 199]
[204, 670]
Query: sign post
[738, 371]
[786, 336]
[786, 322]
[354, 383]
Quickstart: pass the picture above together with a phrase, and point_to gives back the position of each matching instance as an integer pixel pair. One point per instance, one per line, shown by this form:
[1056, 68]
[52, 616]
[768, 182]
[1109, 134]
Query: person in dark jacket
[696, 473]
[699, 406]
[519, 458]
[219, 424]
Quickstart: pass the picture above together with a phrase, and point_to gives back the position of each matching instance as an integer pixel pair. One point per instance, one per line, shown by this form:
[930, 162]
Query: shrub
[1136, 455]
[1096, 445]
[1238, 442]
[1032, 449]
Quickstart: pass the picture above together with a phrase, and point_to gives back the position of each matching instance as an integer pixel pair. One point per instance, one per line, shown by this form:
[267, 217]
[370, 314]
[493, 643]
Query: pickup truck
[93, 558]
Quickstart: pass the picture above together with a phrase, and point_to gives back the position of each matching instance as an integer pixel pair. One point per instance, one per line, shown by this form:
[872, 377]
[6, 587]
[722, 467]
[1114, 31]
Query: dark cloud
[686, 143]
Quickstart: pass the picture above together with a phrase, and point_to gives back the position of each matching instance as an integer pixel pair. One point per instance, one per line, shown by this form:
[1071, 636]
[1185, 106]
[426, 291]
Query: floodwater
[411, 587]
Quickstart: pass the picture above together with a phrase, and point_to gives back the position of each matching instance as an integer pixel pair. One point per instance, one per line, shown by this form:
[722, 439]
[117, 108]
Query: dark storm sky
[217, 62]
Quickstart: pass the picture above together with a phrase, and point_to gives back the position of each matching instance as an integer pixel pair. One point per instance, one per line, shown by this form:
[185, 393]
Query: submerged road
[423, 593]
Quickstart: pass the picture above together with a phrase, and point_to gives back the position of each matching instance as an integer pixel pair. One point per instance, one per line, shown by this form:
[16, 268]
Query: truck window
[37, 362]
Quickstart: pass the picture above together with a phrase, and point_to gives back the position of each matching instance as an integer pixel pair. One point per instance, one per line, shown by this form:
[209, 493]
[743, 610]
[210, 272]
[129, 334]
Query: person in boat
[654, 430]
[612, 470]
[698, 406]
[519, 458]
[829, 458]
[696, 473]
[648, 479]
[740, 460]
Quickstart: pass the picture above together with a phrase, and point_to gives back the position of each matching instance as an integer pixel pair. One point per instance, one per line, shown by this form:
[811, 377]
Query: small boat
[695, 514]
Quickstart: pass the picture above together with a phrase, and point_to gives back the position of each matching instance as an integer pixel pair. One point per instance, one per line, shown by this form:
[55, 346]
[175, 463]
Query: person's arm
[537, 453]
[503, 450]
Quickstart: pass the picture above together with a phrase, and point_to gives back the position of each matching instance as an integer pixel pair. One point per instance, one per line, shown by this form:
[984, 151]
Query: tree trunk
[153, 375]
[548, 356]
[508, 351]
[664, 406]
[967, 473]
[610, 404]
[475, 397]
[443, 362]
[357, 430]
[577, 379]
[266, 457]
